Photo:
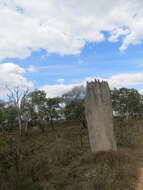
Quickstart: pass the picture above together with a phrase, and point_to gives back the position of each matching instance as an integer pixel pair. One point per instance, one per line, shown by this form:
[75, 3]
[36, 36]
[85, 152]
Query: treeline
[26, 109]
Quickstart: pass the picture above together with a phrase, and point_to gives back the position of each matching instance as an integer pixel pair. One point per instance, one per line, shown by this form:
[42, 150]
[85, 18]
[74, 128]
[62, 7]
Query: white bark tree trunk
[20, 123]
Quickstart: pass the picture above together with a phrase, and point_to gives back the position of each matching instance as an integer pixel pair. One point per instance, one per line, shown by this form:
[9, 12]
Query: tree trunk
[98, 108]
[127, 116]
[52, 124]
[26, 128]
[20, 124]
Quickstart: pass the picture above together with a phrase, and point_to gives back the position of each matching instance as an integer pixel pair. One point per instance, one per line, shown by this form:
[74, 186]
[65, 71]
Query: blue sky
[42, 48]
[102, 60]
[95, 60]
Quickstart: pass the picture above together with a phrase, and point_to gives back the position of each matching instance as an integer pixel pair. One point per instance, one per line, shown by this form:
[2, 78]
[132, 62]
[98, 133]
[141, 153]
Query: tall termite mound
[98, 109]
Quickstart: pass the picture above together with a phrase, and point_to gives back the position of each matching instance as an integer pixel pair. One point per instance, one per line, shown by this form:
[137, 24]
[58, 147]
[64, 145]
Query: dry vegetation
[61, 160]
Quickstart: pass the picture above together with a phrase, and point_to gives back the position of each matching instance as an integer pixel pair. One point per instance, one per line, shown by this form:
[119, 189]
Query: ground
[61, 159]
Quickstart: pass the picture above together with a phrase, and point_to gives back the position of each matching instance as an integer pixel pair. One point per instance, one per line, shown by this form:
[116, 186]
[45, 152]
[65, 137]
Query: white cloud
[122, 80]
[126, 80]
[141, 91]
[31, 69]
[64, 26]
[115, 34]
[129, 80]
[61, 80]
[11, 75]
[58, 89]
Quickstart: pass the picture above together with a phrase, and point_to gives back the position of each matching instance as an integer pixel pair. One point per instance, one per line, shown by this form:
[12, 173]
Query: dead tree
[17, 98]
[98, 108]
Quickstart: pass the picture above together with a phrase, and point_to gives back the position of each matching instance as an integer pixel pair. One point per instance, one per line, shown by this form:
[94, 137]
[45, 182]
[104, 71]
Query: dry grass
[61, 160]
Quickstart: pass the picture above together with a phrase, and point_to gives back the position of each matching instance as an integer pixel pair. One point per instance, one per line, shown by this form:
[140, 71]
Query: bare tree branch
[17, 96]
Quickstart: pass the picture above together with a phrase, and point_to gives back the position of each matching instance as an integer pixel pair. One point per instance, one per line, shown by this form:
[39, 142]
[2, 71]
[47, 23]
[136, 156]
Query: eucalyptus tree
[74, 105]
[127, 102]
[17, 96]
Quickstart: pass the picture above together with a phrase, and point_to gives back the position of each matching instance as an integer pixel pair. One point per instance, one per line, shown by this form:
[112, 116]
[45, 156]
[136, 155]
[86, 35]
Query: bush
[19, 170]
[127, 134]
[103, 171]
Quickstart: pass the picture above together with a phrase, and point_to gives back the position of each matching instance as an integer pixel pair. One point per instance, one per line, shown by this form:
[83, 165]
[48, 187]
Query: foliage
[8, 118]
[43, 108]
[35, 109]
[74, 105]
[75, 110]
[127, 101]
[36, 101]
